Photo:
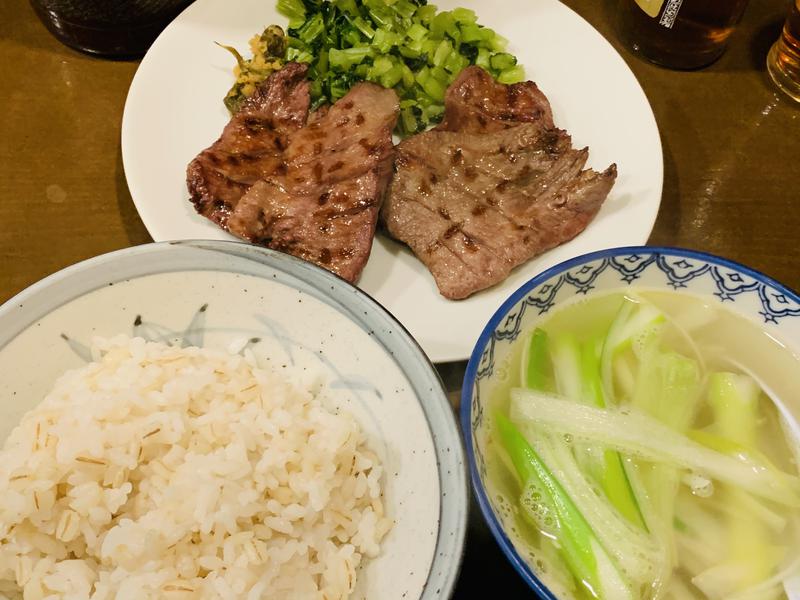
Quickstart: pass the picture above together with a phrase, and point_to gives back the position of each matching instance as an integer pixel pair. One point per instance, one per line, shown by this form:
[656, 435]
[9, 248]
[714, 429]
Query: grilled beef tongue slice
[316, 189]
[475, 102]
[251, 145]
[492, 187]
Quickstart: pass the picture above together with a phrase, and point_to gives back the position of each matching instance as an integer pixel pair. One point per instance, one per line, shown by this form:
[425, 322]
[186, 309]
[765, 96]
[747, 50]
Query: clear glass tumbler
[783, 60]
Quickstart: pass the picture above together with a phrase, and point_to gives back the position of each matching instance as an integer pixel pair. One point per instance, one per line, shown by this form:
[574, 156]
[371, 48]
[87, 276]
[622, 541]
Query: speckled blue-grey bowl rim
[472, 367]
[31, 304]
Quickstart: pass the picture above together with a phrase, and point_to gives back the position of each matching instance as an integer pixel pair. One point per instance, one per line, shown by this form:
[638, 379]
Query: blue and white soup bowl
[746, 292]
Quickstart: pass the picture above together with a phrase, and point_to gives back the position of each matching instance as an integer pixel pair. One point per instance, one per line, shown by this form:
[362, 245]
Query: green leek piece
[643, 436]
[668, 387]
[618, 490]
[497, 43]
[483, 59]
[565, 353]
[455, 63]
[748, 455]
[391, 77]
[582, 552]
[633, 320]
[639, 557]
[404, 8]
[640, 435]
[734, 400]
[593, 393]
[433, 89]
[536, 368]
[577, 375]
[442, 25]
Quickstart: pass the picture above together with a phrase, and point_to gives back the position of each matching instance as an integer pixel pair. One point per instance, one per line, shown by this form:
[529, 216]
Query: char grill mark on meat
[476, 102]
[333, 229]
[318, 196]
[475, 203]
[251, 145]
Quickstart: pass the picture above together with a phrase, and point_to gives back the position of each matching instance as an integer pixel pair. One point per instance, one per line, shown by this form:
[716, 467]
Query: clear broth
[717, 332]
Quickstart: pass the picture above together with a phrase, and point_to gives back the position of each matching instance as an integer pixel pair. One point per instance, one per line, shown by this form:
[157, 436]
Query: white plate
[174, 110]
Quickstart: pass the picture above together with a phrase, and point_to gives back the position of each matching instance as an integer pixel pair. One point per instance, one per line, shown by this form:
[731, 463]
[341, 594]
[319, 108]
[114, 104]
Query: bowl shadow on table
[485, 571]
[135, 230]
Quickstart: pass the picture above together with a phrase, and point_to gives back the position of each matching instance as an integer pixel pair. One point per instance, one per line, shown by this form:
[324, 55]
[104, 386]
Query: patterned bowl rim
[474, 361]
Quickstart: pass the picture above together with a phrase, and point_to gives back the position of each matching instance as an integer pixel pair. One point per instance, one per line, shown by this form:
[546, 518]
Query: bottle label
[670, 13]
[651, 7]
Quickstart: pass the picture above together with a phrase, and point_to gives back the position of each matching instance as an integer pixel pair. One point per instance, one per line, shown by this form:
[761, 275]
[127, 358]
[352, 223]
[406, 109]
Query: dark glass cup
[679, 34]
[111, 28]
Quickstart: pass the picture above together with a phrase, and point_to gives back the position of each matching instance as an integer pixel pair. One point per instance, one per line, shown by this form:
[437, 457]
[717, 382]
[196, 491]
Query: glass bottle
[679, 34]
[783, 61]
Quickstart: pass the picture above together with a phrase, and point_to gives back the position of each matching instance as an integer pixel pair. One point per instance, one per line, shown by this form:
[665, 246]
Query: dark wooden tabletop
[731, 181]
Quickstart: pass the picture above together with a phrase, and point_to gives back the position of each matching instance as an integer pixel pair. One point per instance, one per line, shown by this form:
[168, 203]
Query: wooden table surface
[731, 157]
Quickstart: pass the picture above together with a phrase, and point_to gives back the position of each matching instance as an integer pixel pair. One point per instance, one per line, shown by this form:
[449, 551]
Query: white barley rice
[161, 472]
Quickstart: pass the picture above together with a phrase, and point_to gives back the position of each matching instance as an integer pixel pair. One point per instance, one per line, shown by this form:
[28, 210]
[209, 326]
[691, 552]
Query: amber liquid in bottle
[681, 34]
[783, 61]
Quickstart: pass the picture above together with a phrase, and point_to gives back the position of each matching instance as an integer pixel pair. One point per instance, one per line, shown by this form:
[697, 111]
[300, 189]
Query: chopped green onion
[502, 61]
[347, 41]
[417, 32]
[294, 10]
[347, 58]
[311, 30]
[513, 74]
[364, 27]
[464, 16]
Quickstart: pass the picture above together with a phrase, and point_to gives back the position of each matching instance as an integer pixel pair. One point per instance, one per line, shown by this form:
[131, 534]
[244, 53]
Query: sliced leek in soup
[633, 453]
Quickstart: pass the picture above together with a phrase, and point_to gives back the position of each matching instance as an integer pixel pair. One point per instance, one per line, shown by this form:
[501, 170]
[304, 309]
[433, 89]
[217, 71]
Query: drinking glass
[783, 60]
[679, 34]
[112, 28]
